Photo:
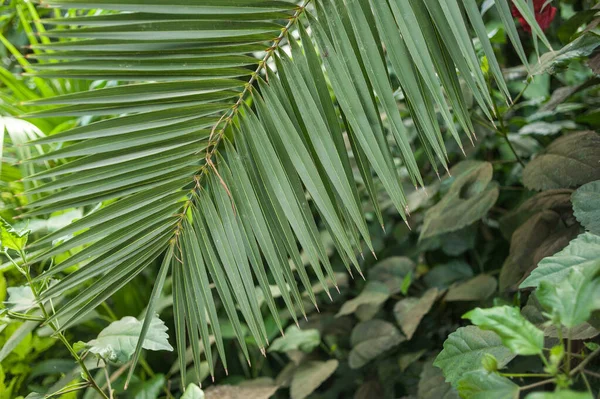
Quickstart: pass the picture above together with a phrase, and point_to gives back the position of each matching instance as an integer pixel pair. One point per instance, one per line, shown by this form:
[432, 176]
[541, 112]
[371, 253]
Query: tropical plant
[244, 129]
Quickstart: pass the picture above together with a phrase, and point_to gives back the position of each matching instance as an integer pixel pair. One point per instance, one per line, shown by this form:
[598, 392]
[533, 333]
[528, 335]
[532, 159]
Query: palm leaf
[190, 168]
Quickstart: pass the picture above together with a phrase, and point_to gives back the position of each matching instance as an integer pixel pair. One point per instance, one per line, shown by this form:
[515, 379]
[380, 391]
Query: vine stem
[60, 335]
[536, 384]
[217, 134]
[585, 361]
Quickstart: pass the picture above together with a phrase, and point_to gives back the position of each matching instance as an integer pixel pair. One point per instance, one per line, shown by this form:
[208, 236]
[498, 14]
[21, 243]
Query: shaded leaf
[465, 348]
[558, 201]
[471, 195]
[586, 206]
[542, 235]
[409, 312]
[309, 376]
[391, 272]
[433, 386]
[569, 161]
[370, 339]
[478, 288]
[442, 276]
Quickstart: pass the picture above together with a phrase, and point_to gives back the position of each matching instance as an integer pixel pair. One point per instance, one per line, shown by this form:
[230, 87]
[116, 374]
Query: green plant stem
[60, 335]
[581, 366]
[536, 384]
[502, 130]
[591, 373]
[569, 345]
[524, 375]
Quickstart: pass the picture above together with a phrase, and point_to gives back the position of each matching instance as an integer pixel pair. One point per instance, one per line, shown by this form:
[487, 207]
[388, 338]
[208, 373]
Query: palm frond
[226, 126]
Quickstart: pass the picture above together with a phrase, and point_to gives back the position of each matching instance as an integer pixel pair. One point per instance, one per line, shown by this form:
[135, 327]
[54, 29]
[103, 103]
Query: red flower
[544, 17]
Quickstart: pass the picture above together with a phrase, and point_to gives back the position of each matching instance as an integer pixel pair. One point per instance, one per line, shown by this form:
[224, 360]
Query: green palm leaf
[221, 135]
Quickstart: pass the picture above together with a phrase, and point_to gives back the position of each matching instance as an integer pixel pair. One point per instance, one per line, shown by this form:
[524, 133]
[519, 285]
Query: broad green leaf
[517, 334]
[391, 272]
[309, 376]
[193, 391]
[409, 311]
[296, 339]
[572, 300]
[568, 161]
[20, 299]
[484, 385]
[470, 197]
[478, 288]
[442, 276]
[117, 342]
[586, 206]
[583, 251]
[433, 386]
[370, 339]
[465, 349]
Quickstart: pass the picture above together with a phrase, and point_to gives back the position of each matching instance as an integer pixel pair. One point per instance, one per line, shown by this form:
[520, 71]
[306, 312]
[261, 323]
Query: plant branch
[60, 335]
[536, 384]
[585, 361]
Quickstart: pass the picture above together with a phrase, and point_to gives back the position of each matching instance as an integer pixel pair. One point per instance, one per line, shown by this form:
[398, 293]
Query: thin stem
[107, 376]
[591, 373]
[536, 384]
[59, 334]
[585, 361]
[524, 375]
[503, 131]
[569, 345]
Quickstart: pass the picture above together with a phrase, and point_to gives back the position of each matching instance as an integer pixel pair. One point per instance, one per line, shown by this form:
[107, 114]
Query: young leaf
[410, 311]
[309, 376]
[517, 334]
[370, 339]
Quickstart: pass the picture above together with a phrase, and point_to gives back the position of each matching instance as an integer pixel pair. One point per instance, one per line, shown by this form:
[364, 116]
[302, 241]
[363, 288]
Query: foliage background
[475, 236]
